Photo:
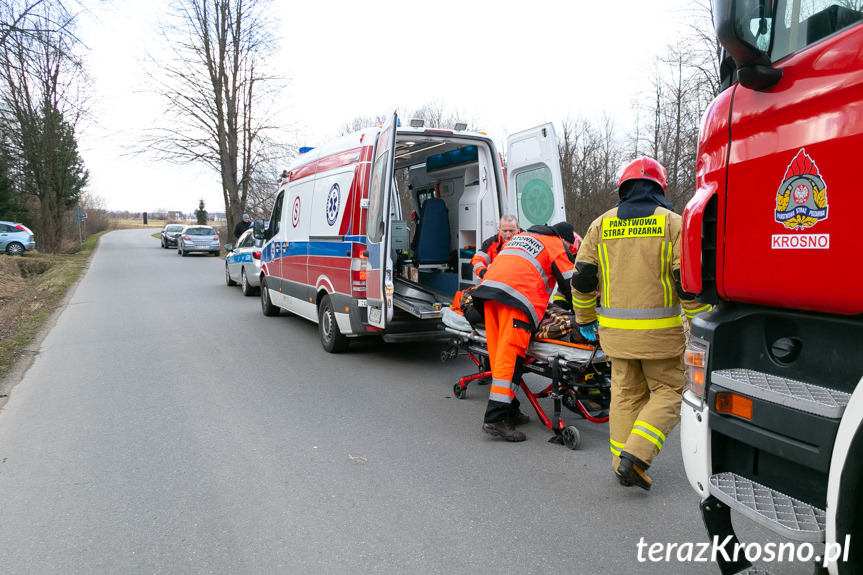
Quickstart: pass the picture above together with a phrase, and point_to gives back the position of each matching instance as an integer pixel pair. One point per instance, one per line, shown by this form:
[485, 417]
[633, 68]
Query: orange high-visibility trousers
[507, 332]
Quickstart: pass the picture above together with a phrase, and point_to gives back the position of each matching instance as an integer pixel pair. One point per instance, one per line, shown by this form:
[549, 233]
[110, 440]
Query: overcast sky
[503, 69]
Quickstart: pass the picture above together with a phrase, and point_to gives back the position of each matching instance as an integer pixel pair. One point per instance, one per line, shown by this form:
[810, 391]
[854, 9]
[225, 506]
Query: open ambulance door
[533, 177]
[379, 277]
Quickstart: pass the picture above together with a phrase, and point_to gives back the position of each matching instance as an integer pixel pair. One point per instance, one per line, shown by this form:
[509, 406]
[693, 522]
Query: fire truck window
[800, 23]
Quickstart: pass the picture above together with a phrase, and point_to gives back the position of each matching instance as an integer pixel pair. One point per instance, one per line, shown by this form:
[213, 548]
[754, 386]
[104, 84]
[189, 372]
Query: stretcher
[579, 375]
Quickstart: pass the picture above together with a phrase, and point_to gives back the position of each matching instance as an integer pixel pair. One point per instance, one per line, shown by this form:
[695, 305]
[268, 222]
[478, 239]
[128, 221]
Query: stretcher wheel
[448, 354]
[571, 437]
[459, 391]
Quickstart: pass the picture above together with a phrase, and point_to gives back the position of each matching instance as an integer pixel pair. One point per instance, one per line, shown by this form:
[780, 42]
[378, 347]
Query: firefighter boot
[632, 472]
[503, 429]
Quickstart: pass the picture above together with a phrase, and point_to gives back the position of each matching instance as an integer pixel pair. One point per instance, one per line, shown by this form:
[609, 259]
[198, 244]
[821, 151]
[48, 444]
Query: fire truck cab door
[379, 277]
[533, 177]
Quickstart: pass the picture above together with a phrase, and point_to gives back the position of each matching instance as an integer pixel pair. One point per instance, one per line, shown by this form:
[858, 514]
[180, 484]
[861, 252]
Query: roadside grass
[33, 287]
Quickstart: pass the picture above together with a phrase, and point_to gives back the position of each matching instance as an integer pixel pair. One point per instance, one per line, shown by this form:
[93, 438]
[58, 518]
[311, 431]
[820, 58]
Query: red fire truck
[772, 421]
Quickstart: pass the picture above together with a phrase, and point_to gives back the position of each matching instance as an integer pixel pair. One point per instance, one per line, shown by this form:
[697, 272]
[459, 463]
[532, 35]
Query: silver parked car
[15, 238]
[198, 239]
[243, 263]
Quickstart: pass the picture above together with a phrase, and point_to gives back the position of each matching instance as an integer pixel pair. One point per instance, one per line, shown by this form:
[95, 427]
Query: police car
[243, 263]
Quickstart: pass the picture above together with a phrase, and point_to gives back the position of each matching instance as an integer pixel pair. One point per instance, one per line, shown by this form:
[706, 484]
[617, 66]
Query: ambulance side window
[276, 216]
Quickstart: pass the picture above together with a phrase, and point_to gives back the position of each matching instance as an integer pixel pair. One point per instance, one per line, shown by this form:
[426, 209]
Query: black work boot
[621, 479]
[518, 418]
[632, 470]
[503, 429]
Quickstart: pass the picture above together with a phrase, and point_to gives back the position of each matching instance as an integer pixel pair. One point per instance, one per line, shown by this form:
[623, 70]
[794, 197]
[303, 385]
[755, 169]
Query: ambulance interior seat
[432, 250]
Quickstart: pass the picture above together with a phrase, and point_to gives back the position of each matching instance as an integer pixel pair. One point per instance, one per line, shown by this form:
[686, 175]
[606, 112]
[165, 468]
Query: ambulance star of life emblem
[801, 201]
[334, 199]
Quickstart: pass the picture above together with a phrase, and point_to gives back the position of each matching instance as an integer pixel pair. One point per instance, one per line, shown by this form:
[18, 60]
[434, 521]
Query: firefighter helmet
[644, 168]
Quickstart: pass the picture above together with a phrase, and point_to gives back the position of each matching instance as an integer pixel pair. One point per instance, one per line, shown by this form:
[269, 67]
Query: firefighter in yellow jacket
[631, 256]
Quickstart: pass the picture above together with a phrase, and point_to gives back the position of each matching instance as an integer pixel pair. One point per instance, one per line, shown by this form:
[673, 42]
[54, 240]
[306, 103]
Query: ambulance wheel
[459, 391]
[266, 305]
[331, 338]
[571, 437]
[228, 279]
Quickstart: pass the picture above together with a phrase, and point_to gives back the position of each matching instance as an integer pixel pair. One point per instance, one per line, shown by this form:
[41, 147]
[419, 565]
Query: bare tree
[684, 81]
[41, 100]
[589, 157]
[362, 122]
[217, 95]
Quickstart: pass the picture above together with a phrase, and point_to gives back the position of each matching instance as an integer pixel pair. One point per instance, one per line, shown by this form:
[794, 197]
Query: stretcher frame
[572, 380]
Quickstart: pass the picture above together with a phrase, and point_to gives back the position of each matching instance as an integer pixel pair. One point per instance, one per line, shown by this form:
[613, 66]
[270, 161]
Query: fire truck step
[778, 512]
[782, 391]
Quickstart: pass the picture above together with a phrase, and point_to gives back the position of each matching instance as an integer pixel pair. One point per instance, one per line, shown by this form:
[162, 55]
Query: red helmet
[644, 168]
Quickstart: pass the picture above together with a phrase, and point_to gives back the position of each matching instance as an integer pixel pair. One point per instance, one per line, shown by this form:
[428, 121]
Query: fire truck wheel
[331, 338]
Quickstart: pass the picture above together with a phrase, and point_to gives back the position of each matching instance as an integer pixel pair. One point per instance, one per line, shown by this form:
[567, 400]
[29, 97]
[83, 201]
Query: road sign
[78, 214]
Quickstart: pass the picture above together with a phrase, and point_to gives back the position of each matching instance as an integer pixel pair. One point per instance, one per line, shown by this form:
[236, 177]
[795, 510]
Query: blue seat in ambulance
[433, 233]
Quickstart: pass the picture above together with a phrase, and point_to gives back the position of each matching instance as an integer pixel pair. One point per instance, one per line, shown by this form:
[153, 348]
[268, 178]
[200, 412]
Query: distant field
[138, 223]
[127, 224]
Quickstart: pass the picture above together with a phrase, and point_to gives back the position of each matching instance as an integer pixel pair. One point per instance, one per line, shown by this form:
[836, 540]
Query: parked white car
[243, 263]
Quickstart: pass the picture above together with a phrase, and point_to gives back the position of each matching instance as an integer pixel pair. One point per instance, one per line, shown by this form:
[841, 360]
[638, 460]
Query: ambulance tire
[266, 305]
[331, 338]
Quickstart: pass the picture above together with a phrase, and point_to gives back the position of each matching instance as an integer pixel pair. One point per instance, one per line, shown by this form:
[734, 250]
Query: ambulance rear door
[533, 177]
[379, 277]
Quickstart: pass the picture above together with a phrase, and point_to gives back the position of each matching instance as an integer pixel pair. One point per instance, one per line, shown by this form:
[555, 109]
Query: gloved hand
[588, 331]
[482, 272]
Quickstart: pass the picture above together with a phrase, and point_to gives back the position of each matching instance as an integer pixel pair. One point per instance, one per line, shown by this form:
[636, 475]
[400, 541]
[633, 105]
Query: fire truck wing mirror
[744, 27]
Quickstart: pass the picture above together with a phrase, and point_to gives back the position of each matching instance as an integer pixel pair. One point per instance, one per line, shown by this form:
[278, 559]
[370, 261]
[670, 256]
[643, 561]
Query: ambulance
[372, 234]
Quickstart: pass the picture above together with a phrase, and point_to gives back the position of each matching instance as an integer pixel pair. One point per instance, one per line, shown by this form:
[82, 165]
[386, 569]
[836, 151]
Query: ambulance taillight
[358, 270]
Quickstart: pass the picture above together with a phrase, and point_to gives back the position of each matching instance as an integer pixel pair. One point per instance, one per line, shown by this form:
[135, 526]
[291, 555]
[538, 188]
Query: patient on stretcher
[556, 337]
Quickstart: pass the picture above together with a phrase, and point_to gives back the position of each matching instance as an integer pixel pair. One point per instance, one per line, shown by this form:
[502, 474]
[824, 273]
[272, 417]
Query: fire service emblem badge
[801, 201]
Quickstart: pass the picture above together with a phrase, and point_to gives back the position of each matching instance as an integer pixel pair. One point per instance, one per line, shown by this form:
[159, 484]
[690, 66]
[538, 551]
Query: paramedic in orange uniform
[513, 296]
[507, 228]
[632, 254]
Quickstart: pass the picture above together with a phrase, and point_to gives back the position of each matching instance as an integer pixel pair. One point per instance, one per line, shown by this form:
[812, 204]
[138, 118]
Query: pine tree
[201, 213]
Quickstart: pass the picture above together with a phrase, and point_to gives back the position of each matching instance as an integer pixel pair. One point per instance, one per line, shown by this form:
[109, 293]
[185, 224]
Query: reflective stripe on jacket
[525, 273]
[635, 259]
[486, 254]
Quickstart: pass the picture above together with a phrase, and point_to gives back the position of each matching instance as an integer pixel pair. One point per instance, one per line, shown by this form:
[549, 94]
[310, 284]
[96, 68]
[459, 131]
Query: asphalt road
[167, 426]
